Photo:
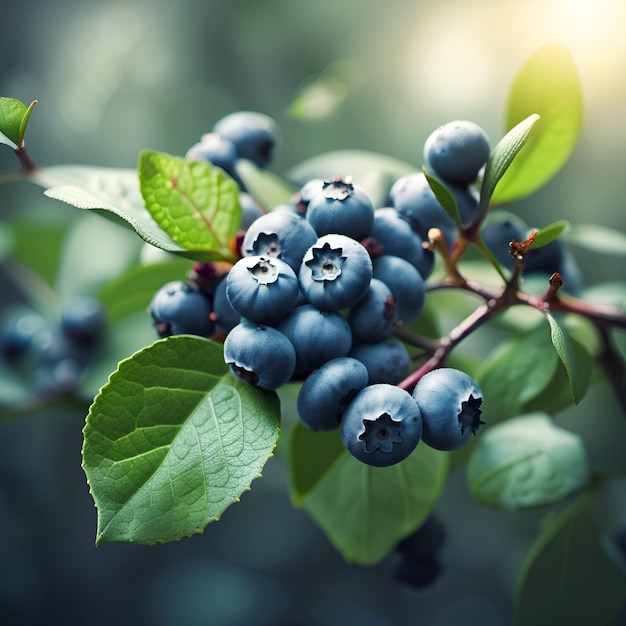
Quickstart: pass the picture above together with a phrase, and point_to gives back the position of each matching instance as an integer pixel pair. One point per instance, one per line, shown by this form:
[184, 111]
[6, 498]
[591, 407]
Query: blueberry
[413, 198]
[317, 336]
[259, 355]
[253, 135]
[280, 234]
[449, 400]
[226, 317]
[426, 541]
[417, 573]
[20, 327]
[405, 282]
[498, 231]
[250, 210]
[304, 195]
[457, 151]
[180, 308]
[83, 318]
[262, 289]
[381, 426]
[466, 201]
[374, 316]
[387, 360]
[335, 272]
[396, 237]
[216, 150]
[341, 208]
[327, 391]
[548, 258]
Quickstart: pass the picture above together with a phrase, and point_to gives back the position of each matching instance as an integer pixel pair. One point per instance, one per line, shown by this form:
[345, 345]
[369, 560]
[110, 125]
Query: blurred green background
[113, 78]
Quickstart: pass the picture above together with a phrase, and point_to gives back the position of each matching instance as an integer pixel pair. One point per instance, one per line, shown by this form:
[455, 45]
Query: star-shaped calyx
[326, 263]
[381, 433]
[338, 188]
[469, 416]
[264, 271]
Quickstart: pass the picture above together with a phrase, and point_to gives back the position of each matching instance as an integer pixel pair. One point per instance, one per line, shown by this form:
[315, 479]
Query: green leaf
[196, 204]
[444, 196]
[501, 158]
[548, 84]
[363, 510]
[518, 370]
[132, 291]
[12, 113]
[268, 189]
[172, 440]
[526, 462]
[567, 578]
[87, 264]
[375, 172]
[600, 239]
[549, 233]
[578, 376]
[114, 193]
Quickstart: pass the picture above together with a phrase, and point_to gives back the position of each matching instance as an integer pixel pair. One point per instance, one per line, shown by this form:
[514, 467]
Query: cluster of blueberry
[320, 287]
[56, 353]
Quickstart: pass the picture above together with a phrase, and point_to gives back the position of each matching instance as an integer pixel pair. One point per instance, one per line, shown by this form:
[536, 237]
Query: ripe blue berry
[259, 355]
[387, 360]
[413, 198]
[317, 336]
[226, 317]
[179, 308]
[457, 151]
[253, 135]
[20, 328]
[396, 236]
[216, 150]
[262, 289]
[374, 316]
[498, 231]
[304, 195]
[417, 573]
[426, 541]
[250, 210]
[405, 282]
[335, 272]
[342, 208]
[327, 391]
[381, 426]
[449, 401]
[280, 234]
[83, 318]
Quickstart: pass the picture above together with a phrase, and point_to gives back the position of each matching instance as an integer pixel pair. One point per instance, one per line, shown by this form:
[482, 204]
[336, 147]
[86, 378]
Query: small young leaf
[196, 204]
[268, 189]
[526, 462]
[598, 239]
[364, 510]
[444, 196]
[567, 577]
[578, 376]
[548, 84]
[502, 156]
[12, 112]
[172, 440]
[549, 233]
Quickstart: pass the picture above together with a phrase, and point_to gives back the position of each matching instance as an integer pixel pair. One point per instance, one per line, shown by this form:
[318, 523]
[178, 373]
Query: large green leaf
[526, 462]
[172, 440]
[548, 84]
[567, 577]
[196, 204]
[363, 510]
